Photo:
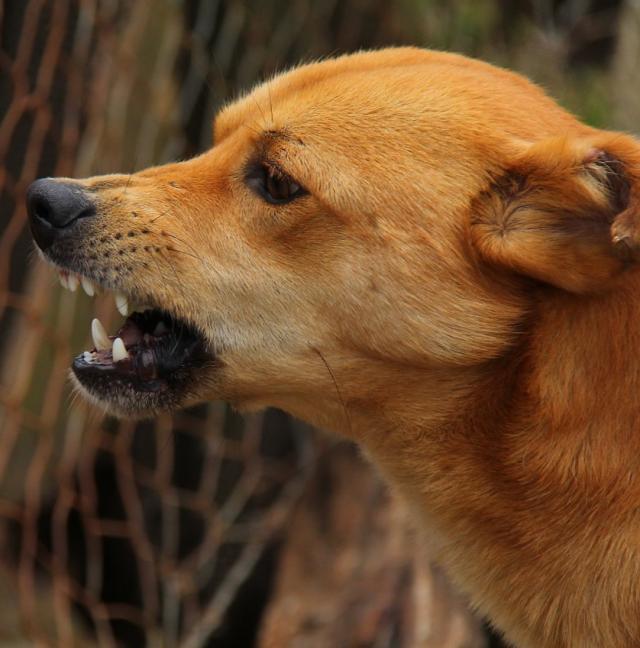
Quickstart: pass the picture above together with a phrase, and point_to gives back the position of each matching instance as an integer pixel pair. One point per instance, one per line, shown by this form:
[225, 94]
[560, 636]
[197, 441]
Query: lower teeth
[112, 350]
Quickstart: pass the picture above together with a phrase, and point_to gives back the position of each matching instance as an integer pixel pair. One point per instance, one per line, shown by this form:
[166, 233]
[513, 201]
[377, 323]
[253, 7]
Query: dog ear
[566, 212]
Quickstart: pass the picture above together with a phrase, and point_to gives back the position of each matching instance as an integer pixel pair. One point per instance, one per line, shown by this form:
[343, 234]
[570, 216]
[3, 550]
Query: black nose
[54, 206]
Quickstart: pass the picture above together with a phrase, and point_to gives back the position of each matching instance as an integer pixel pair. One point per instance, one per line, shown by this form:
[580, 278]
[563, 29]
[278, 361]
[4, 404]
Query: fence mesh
[168, 532]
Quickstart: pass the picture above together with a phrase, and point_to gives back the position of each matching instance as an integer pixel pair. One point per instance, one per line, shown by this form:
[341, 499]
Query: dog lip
[159, 355]
[87, 372]
[125, 300]
[156, 371]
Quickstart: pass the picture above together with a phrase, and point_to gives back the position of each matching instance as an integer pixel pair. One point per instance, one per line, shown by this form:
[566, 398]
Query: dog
[426, 254]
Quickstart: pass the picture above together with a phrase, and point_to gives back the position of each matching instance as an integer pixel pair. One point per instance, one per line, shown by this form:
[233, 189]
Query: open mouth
[150, 363]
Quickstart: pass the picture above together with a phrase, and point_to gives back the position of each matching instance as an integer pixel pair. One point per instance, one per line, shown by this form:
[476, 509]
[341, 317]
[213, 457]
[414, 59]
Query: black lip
[159, 372]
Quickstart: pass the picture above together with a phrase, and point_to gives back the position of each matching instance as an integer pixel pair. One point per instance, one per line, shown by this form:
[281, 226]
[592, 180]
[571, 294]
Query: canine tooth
[122, 304]
[87, 286]
[73, 282]
[100, 338]
[87, 356]
[160, 329]
[119, 351]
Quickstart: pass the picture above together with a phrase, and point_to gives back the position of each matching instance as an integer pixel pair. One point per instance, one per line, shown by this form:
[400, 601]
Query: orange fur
[464, 261]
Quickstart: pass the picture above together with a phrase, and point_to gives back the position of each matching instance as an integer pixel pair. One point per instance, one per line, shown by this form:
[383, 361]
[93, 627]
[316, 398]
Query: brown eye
[273, 185]
[279, 187]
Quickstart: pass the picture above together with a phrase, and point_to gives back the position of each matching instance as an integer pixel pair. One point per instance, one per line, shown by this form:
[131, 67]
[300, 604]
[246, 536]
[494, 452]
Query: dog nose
[54, 206]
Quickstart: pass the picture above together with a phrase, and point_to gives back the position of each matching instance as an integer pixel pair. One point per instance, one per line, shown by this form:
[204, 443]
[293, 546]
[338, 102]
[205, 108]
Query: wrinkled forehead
[346, 119]
[352, 135]
[333, 109]
[433, 123]
[400, 93]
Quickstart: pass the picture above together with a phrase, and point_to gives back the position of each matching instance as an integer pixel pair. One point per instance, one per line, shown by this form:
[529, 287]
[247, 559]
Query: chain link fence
[197, 529]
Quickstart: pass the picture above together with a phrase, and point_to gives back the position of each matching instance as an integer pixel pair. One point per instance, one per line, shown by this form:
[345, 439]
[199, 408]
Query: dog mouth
[151, 363]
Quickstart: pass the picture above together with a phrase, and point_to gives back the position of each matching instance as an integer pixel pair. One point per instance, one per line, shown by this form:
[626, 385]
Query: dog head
[359, 223]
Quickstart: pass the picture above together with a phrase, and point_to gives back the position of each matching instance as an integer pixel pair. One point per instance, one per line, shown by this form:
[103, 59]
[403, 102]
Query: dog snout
[54, 207]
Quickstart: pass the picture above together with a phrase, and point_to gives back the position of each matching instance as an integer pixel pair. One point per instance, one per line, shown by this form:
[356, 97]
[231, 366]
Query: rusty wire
[186, 506]
[75, 91]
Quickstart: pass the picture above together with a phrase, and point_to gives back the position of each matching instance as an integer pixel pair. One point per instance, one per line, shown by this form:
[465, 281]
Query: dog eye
[273, 185]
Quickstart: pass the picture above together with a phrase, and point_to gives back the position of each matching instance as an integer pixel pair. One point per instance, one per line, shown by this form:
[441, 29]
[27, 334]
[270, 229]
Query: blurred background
[207, 529]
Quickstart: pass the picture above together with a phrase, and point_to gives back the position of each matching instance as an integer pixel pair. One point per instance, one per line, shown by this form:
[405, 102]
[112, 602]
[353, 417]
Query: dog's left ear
[566, 212]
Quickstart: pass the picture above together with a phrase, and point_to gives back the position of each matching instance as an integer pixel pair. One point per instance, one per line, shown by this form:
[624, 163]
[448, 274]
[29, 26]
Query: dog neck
[539, 452]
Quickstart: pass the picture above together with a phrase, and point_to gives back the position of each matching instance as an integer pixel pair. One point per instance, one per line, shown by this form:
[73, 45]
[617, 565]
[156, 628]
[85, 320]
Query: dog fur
[456, 291]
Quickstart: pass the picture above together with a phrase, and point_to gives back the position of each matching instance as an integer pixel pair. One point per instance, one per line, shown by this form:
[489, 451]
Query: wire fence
[181, 531]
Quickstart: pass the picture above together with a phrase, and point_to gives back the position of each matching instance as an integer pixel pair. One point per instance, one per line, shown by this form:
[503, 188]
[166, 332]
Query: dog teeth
[119, 351]
[73, 282]
[87, 286]
[100, 338]
[122, 304]
[87, 356]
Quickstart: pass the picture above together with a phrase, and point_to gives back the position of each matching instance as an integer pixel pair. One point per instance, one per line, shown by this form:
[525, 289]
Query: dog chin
[122, 402]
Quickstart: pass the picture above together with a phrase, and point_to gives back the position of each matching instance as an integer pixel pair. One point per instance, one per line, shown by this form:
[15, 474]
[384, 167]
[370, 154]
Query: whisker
[177, 238]
[335, 382]
[126, 187]
[179, 251]
[164, 213]
[179, 284]
[264, 120]
[253, 130]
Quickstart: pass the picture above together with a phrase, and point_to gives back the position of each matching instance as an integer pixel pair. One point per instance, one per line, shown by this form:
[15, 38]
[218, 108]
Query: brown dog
[428, 255]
